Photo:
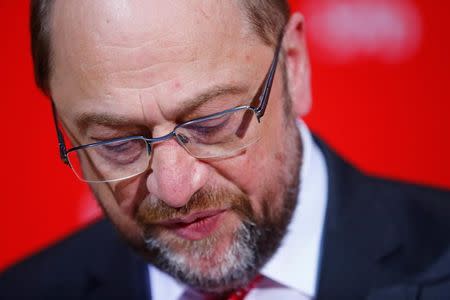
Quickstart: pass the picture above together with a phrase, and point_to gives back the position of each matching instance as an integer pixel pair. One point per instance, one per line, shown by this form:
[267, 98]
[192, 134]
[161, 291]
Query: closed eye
[121, 152]
[209, 127]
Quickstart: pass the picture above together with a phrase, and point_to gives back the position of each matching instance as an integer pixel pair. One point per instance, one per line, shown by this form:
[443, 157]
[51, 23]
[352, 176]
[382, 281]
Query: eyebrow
[195, 102]
[112, 120]
[85, 120]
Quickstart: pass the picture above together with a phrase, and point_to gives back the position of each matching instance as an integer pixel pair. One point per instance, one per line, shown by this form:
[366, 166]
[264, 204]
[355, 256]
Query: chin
[221, 262]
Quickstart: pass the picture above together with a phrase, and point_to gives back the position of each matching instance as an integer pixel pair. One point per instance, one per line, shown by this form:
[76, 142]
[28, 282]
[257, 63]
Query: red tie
[242, 292]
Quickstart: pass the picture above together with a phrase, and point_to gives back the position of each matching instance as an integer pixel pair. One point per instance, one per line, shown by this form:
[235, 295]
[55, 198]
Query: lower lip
[197, 230]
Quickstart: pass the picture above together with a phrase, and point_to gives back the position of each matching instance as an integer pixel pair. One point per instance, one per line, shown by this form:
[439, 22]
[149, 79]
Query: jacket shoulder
[391, 231]
[421, 204]
[415, 217]
[59, 270]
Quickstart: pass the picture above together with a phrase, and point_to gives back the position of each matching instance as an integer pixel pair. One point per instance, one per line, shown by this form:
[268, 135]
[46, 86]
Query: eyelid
[206, 110]
[201, 126]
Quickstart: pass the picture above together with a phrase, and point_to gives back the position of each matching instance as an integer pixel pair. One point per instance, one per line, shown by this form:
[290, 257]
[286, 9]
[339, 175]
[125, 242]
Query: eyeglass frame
[263, 95]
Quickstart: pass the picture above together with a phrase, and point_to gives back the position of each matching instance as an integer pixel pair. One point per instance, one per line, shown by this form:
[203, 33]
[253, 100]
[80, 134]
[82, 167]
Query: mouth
[195, 226]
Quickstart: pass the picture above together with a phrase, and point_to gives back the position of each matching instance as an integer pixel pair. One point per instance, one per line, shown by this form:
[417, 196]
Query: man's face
[124, 68]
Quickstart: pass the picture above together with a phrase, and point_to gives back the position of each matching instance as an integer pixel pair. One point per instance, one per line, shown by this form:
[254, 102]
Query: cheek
[120, 200]
[115, 212]
[260, 171]
[129, 194]
[253, 173]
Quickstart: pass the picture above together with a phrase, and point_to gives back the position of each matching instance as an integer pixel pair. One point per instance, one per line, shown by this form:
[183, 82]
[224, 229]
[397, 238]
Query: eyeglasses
[219, 135]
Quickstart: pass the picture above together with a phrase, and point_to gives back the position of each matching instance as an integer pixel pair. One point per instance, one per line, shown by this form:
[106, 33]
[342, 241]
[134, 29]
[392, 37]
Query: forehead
[128, 22]
[143, 44]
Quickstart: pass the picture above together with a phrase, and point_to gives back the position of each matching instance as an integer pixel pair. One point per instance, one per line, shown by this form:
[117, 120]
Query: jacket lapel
[358, 234]
[371, 240]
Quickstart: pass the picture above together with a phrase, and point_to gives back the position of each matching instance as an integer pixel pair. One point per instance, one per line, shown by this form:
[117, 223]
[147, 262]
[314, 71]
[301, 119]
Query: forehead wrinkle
[140, 67]
[166, 40]
[138, 71]
[193, 94]
[188, 103]
[144, 79]
[139, 57]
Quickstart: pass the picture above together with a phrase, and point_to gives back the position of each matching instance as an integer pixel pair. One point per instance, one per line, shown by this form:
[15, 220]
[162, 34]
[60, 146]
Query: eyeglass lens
[211, 137]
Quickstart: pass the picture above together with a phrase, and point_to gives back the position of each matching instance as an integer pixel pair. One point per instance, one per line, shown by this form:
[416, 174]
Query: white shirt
[293, 270]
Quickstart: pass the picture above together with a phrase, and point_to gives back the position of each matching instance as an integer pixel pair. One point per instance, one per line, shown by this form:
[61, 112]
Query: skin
[145, 62]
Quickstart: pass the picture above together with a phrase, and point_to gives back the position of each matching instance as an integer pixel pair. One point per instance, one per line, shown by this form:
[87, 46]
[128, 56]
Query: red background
[389, 118]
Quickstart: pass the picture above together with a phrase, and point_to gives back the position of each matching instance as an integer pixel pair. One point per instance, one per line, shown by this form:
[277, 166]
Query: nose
[175, 175]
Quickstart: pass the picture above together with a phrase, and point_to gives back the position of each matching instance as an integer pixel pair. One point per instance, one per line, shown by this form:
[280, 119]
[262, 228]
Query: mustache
[153, 211]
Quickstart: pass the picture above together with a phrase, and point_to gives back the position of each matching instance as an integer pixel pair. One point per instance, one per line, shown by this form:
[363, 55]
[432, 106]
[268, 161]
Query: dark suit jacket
[382, 241]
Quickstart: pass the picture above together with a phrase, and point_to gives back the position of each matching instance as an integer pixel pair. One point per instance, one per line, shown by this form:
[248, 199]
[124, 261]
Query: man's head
[140, 67]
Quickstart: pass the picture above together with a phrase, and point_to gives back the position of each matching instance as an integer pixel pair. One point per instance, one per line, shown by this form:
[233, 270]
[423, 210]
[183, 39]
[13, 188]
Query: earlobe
[297, 65]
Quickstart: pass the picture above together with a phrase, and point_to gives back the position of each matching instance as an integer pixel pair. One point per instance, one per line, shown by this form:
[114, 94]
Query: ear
[297, 65]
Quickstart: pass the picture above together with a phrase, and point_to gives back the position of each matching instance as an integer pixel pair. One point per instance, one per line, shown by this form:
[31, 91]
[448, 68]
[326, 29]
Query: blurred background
[381, 88]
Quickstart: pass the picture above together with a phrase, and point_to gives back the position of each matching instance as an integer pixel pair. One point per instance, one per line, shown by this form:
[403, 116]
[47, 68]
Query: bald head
[266, 18]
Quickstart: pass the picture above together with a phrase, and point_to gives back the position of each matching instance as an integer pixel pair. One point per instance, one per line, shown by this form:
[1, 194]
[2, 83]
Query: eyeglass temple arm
[264, 97]
[61, 143]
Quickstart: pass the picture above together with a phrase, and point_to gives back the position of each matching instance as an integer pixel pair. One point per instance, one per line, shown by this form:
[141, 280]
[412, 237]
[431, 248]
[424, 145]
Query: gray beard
[239, 263]
[254, 243]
